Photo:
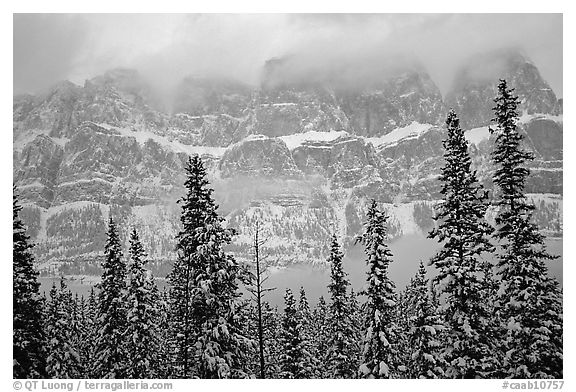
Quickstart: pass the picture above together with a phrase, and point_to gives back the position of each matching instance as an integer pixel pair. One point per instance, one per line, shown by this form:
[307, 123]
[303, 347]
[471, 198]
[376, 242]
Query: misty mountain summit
[297, 152]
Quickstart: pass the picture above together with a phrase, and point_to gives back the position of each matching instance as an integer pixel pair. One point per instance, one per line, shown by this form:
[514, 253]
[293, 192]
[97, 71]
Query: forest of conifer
[474, 318]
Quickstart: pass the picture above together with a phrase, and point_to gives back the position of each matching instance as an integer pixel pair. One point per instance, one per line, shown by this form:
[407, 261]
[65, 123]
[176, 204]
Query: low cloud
[168, 47]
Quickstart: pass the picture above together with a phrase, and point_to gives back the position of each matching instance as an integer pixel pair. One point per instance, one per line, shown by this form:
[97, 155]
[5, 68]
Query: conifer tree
[379, 352]
[304, 315]
[110, 355]
[272, 331]
[204, 288]
[164, 353]
[357, 316]
[142, 302]
[465, 235]
[28, 336]
[63, 360]
[85, 330]
[404, 311]
[321, 333]
[314, 358]
[89, 341]
[425, 328]
[303, 305]
[530, 300]
[294, 357]
[342, 345]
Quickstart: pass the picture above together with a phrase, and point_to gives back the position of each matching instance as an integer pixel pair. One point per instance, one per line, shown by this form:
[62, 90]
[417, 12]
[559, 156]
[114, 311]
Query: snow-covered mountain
[302, 158]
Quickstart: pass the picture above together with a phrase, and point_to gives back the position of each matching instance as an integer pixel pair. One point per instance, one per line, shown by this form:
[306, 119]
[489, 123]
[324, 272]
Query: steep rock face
[50, 111]
[101, 100]
[37, 167]
[342, 160]
[475, 87]
[289, 109]
[414, 163]
[258, 156]
[99, 161]
[291, 155]
[545, 137]
[401, 100]
[217, 112]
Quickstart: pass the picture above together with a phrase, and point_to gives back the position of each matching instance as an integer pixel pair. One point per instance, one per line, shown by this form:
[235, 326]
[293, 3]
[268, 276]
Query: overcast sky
[167, 47]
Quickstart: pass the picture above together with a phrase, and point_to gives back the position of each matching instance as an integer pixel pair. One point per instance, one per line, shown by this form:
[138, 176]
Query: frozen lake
[407, 251]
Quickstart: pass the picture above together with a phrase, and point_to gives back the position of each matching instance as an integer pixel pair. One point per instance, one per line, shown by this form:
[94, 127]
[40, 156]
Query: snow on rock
[403, 215]
[296, 140]
[142, 136]
[477, 135]
[526, 118]
[412, 131]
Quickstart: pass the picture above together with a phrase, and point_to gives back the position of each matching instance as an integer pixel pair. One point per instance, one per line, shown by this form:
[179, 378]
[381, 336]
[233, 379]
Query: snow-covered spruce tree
[304, 315]
[321, 333]
[272, 330]
[530, 300]
[357, 316]
[75, 309]
[142, 312]
[164, 354]
[63, 360]
[87, 346]
[379, 351]
[247, 312]
[425, 327]
[465, 235]
[204, 288]
[295, 360]
[110, 354]
[85, 341]
[28, 337]
[186, 307]
[404, 311]
[342, 345]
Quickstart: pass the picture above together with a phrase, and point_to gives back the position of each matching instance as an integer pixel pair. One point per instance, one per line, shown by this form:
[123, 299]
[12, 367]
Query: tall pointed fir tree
[272, 330]
[321, 331]
[63, 359]
[88, 344]
[142, 312]
[314, 357]
[357, 316]
[110, 354]
[464, 234]
[424, 331]
[28, 336]
[379, 351]
[294, 356]
[530, 301]
[84, 328]
[204, 288]
[404, 312]
[342, 345]
[164, 354]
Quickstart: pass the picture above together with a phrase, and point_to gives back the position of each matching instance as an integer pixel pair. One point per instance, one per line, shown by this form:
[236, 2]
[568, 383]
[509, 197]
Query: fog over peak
[356, 48]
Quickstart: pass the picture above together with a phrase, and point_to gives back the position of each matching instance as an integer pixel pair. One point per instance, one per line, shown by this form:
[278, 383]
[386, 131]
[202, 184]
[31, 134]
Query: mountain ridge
[303, 159]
